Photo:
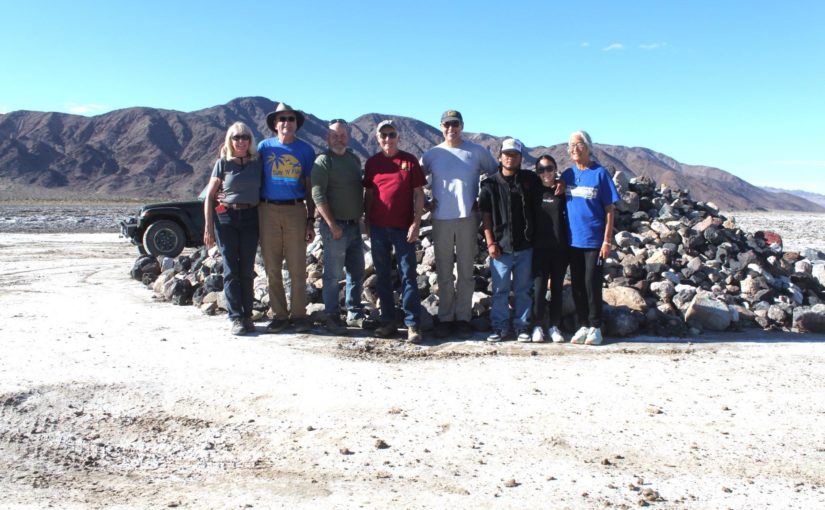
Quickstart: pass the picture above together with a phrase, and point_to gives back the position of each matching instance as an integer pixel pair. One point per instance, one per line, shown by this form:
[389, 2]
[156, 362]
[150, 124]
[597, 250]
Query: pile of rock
[679, 268]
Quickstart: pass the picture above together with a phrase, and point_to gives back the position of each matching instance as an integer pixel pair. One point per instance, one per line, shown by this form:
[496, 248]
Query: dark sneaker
[333, 326]
[301, 324]
[413, 335]
[523, 336]
[237, 327]
[248, 325]
[361, 321]
[496, 336]
[277, 325]
[463, 330]
[443, 329]
[386, 330]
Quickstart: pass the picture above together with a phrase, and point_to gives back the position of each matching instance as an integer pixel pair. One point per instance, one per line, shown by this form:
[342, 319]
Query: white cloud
[652, 46]
[614, 46]
[83, 109]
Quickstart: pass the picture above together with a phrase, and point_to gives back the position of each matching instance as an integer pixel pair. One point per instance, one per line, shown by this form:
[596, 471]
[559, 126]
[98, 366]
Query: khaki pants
[455, 240]
[282, 236]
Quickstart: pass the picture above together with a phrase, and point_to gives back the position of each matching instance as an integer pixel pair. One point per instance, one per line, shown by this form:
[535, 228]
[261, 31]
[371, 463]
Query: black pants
[586, 276]
[553, 266]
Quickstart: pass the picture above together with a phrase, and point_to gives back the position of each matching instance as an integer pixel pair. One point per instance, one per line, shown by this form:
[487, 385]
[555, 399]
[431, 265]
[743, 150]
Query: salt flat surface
[798, 230]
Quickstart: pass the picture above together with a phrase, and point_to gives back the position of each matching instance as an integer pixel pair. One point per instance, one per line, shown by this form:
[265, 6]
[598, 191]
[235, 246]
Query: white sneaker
[580, 335]
[538, 335]
[594, 337]
[555, 335]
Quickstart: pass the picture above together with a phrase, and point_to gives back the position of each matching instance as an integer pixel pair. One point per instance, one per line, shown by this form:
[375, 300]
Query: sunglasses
[286, 119]
[542, 169]
[238, 138]
[391, 135]
[452, 124]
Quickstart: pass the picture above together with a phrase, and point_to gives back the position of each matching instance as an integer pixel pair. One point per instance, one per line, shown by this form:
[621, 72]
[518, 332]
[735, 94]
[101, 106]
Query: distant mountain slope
[816, 198]
[149, 152]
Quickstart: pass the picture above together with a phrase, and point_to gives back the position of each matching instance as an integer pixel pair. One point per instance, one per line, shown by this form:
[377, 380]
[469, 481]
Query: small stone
[381, 444]
[511, 483]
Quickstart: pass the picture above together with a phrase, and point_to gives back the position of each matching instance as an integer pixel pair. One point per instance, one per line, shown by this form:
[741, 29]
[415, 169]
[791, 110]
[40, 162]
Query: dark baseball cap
[451, 115]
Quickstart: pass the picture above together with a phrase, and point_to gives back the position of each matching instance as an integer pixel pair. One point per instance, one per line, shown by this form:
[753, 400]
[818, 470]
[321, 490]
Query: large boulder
[709, 312]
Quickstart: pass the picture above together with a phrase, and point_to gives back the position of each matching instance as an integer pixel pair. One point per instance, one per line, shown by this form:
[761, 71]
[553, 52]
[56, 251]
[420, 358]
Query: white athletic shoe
[594, 337]
[538, 335]
[580, 335]
[555, 335]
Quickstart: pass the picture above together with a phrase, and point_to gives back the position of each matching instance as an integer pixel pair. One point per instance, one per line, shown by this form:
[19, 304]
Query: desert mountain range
[142, 153]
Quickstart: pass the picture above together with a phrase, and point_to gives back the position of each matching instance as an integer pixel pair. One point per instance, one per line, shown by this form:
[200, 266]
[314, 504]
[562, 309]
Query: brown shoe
[413, 335]
[386, 330]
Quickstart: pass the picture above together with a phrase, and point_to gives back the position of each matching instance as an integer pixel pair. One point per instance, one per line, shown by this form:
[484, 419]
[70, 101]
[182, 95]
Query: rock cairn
[678, 268]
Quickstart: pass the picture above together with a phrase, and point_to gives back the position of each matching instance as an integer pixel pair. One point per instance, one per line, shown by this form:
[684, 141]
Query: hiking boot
[538, 335]
[301, 324]
[463, 330]
[594, 337]
[386, 330]
[522, 335]
[555, 335]
[248, 325]
[277, 325]
[413, 335]
[361, 321]
[443, 329]
[580, 335]
[237, 327]
[333, 326]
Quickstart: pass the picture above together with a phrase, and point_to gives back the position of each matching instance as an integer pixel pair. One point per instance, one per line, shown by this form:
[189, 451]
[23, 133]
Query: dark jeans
[236, 233]
[347, 252]
[586, 276]
[553, 268]
[384, 239]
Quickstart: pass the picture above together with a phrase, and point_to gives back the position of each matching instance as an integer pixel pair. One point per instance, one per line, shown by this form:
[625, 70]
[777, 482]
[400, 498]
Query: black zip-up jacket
[494, 198]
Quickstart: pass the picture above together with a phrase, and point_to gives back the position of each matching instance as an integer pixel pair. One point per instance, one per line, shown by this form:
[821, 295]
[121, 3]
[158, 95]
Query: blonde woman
[232, 221]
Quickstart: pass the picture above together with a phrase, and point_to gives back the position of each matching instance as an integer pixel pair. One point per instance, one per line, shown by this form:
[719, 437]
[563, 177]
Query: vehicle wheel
[164, 237]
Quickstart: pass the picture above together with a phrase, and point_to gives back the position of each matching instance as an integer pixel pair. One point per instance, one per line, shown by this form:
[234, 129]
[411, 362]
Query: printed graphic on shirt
[585, 192]
[284, 166]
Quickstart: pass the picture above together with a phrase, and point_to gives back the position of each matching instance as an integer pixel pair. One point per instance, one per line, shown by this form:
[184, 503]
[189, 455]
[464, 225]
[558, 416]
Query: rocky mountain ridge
[148, 152]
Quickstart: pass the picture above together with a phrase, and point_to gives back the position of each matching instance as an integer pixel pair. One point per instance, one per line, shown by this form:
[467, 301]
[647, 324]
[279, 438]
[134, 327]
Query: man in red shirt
[394, 186]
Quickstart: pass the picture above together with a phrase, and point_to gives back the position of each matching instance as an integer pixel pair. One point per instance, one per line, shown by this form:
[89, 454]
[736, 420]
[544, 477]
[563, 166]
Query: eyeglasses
[391, 135]
[286, 119]
[337, 121]
[238, 138]
[542, 169]
[451, 124]
[577, 145]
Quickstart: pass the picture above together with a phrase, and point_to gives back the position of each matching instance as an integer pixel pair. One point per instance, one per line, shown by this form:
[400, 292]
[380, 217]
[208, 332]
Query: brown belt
[237, 206]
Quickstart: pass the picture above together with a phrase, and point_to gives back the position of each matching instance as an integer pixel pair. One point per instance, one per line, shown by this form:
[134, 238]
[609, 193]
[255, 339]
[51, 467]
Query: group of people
[535, 224]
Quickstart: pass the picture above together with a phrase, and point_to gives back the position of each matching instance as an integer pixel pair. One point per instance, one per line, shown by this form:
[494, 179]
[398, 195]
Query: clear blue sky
[734, 84]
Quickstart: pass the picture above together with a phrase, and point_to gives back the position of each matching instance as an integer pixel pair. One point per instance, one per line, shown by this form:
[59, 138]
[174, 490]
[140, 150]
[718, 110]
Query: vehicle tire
[164, 237]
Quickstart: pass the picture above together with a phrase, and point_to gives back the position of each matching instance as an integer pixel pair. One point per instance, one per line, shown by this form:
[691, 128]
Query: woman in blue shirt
[590, 197]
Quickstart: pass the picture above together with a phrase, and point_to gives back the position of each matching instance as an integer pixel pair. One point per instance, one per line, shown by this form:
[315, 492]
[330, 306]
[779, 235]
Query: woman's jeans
[236, 233]
[384, 239]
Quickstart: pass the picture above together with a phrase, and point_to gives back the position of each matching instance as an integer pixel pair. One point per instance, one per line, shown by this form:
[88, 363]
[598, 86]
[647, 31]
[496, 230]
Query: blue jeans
[384, 239]
[347, 252]
[236, 233]
[512, 271]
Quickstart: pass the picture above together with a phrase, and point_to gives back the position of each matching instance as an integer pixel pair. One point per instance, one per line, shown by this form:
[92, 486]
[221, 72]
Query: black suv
[166, 228]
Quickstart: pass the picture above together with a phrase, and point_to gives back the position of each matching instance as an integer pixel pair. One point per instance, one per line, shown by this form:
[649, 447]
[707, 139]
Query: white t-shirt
[454, 174]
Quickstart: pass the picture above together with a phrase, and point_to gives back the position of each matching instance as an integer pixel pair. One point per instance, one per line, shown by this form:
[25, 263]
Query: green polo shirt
[337, 182]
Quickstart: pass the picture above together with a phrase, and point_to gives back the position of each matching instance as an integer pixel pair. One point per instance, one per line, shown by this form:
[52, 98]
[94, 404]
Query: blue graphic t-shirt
[588, 193]
[284, 167]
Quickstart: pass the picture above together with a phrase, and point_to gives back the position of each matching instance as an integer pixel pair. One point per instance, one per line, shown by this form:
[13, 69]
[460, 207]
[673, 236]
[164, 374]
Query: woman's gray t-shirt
[241, 183]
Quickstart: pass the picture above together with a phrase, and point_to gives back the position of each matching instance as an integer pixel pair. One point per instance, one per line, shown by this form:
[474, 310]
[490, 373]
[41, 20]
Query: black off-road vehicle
[166, 228]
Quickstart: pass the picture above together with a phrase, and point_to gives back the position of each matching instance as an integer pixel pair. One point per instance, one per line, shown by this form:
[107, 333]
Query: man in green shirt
[338, 193]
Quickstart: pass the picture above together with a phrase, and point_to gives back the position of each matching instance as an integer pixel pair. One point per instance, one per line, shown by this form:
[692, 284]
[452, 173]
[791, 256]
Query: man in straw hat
[286, 215]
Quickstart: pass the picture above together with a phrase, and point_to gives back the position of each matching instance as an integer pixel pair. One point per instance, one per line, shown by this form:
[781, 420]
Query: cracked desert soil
[109, 399]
